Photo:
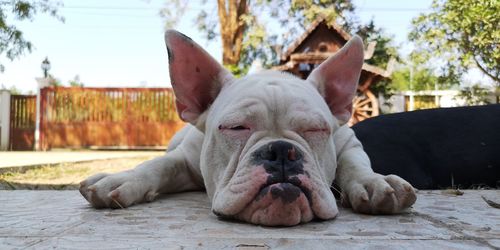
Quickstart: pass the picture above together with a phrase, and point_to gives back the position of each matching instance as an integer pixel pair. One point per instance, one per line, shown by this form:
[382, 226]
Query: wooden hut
[322, 40]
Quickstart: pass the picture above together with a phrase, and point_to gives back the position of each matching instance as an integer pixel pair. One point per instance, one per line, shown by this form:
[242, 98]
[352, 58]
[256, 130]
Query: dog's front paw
[378, 194]
[118, 190]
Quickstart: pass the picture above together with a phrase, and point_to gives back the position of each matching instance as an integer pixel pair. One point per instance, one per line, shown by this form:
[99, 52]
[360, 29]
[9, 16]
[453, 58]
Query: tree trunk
[232, 29]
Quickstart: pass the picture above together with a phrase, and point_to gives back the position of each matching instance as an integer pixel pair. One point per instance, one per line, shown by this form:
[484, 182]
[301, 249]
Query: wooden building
[322, 40]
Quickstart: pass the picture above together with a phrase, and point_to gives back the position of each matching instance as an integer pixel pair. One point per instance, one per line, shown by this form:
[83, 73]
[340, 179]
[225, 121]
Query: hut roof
[321, 30]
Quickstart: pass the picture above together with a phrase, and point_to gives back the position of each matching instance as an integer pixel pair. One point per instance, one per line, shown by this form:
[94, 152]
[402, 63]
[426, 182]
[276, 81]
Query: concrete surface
[63, 219]
[16, 160]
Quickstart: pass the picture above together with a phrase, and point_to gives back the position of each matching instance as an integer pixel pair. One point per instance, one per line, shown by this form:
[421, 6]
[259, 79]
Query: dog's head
[268, 155]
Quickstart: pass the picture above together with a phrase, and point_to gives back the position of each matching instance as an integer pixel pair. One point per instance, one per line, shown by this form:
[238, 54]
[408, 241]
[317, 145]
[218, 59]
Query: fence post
[42, 82]
[411, 106]
[4, 119]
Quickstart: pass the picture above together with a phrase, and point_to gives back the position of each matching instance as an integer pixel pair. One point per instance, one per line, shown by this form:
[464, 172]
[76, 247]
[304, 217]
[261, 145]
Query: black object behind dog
[436, 148]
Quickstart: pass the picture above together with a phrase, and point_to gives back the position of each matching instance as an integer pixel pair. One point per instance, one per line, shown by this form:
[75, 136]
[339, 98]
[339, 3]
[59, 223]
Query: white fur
[282, 104]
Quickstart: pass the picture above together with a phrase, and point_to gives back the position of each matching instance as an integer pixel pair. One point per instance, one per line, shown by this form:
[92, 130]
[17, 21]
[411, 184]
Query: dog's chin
[280, 204]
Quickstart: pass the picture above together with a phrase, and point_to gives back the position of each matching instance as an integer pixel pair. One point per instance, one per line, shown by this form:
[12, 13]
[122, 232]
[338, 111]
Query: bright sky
[119, 43]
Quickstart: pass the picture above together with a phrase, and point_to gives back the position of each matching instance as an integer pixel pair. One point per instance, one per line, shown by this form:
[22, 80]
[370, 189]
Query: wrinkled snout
[276, 186]
[281, 160]
[281, 198]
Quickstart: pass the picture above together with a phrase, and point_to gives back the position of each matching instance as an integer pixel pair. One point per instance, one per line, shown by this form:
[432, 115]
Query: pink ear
[196, 77]
[337, 78]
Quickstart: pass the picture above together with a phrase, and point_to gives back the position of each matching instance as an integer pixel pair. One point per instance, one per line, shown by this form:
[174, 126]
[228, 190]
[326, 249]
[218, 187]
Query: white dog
[266, 147]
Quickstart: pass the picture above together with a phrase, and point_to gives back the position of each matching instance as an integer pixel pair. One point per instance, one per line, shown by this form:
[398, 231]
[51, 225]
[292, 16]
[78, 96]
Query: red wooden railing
[125, 117]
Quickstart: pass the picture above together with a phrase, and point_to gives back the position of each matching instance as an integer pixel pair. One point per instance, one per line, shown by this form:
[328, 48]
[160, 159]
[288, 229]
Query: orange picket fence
[107, 117]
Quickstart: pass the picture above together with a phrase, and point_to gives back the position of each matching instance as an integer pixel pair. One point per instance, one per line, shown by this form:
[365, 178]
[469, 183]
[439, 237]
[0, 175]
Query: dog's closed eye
[316, 133]
[235, 132]
[239, 127]
[317, 130]
[234, 127]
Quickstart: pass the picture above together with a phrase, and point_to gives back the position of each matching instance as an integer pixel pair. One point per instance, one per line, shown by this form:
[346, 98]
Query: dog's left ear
[196, 77]
[337, 78]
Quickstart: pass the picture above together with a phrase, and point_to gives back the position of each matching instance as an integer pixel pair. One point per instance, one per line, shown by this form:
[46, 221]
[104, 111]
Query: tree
[245, 38]
[463, 33]
[13, 90]
[76, 82]
[475, 95]
[52, 81]
[416, 76]
[12, 41]
[382, 54]
[240, 22]
[384, 50]
[415, 79]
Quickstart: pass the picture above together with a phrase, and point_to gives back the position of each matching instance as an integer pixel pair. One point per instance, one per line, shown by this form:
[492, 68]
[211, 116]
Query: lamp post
[45, 67]
[42, 82]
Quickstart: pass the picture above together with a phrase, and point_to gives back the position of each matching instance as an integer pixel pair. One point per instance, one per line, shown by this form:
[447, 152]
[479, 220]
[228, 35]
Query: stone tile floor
[63, 219]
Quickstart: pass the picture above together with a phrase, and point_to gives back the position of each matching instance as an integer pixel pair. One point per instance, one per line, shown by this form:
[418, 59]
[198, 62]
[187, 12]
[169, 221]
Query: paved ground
[63, 219]
[18, 160]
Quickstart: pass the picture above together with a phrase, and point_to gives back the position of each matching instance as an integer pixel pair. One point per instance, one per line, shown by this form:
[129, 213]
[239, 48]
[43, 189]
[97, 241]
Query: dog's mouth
[287, 191]
[278, 203]
[274, 198]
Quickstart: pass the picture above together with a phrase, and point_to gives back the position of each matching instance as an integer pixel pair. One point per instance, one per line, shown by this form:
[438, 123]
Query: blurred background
[94, 74]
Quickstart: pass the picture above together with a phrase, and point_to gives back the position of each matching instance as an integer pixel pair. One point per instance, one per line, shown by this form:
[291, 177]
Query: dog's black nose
[280, 151]
[281, 160]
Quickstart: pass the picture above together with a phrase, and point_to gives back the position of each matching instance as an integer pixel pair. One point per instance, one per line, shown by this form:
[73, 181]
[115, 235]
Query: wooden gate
[107, 117]
[22, 122]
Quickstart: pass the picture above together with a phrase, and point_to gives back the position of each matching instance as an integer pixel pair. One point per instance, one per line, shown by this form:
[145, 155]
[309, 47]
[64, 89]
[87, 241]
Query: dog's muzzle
[283, 162]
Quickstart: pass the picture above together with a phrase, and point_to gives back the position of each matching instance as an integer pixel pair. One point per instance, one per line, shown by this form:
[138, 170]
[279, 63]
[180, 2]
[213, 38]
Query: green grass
[64, 176]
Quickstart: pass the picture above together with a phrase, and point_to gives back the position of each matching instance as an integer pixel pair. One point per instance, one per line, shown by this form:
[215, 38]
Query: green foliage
[293, 17]
[260, 42]
[54, 81]
[13, 90]
[384, 49]
[76, 82]
[12, 41]
[236, 70]
[264, 42]
[463, 33]
[173, 12]
[383, 53]
[475, 95]
[413, 79]
[418, 77]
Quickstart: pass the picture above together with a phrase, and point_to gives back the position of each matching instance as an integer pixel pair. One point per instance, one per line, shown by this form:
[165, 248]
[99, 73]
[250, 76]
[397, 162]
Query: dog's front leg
[165, 174]
[362, 189]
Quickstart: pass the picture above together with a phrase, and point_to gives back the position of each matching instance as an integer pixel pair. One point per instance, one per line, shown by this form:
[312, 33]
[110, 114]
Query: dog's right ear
[196, 77]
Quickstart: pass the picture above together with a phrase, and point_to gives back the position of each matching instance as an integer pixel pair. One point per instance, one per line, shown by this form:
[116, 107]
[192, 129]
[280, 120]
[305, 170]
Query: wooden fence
[112, 117]
[22, 122]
